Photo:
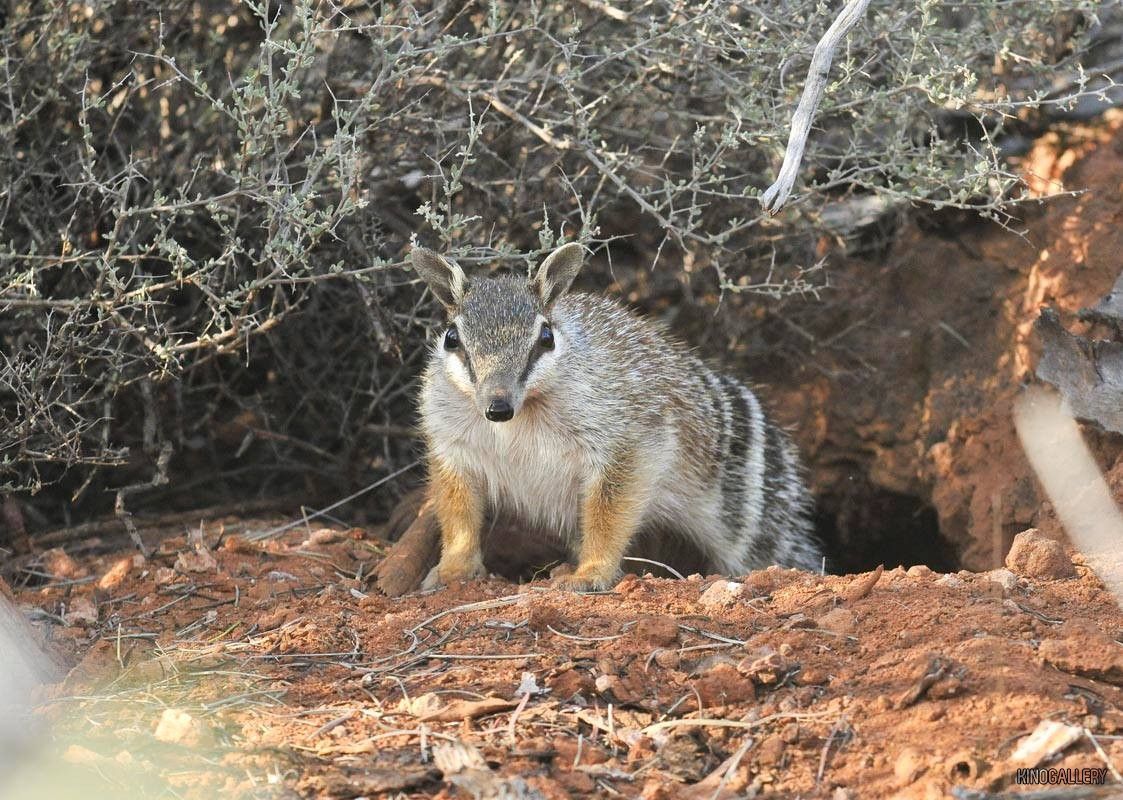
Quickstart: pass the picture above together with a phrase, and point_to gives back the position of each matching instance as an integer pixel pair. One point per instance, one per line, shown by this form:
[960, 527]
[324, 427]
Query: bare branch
[775, 197]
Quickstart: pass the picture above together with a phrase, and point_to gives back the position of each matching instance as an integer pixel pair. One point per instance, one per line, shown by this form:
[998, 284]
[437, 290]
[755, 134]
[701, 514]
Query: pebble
[568, 683]
[620, 689]
[908, 765]
[838, 620]
[58, 563]
[771, 750]
[81, 612]
[723, 685]
[721, 594]
[659, 631]
[765, 669]
[196, 561]
[813, 676]
[1035, 556]
[1003, 577]
[179, 727]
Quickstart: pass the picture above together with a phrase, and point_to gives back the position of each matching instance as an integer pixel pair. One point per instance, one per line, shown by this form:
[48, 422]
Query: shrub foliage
[205, 205]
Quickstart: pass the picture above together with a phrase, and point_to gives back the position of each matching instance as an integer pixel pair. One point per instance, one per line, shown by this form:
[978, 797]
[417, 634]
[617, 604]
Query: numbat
[573, 414]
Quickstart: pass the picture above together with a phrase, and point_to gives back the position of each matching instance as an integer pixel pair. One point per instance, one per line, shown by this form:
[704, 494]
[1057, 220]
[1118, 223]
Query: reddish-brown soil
[220, 667]
[904, 383]
[298, 681]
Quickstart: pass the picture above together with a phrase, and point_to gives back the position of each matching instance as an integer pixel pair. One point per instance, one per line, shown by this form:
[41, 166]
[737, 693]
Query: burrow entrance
[867, 525]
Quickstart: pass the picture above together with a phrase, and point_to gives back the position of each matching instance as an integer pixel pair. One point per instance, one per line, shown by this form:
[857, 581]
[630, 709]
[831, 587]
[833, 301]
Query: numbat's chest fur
[572, 413]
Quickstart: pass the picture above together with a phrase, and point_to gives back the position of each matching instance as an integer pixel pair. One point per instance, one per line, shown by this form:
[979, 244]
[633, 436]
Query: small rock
[919, 571]
[838, 620]
[790, 733]
[1035, 556]
[58, 563]
[424, 705]
[766, 669]
[721, 594]
[620, 689]
[628, 584]
[724, 685]
[81, 612]
[1004, 578]
[196, 561]
[908, 765]
[179, 727]
[82, 756]
[1090, 655]
[812, 676]
[771, 750]
[951, 581]
[657, 631]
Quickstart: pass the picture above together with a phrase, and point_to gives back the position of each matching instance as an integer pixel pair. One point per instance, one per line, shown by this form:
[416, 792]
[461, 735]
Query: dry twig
[775, 197]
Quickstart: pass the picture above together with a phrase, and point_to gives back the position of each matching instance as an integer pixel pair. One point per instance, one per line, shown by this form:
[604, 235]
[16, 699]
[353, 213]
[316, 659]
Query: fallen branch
[775, 197]
[112, 525]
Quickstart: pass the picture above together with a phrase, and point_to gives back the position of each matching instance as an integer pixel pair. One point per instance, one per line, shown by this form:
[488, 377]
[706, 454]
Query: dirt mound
[901, 394]
[229, 667]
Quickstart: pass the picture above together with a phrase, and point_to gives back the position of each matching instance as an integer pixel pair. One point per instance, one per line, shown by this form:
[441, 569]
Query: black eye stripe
[535, 353]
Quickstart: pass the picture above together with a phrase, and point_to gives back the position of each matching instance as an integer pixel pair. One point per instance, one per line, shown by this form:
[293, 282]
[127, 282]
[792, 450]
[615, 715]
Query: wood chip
[860, 588]
[470, 709]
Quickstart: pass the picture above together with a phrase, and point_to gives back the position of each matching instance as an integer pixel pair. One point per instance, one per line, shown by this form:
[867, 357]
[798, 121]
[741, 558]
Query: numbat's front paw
[444, 574]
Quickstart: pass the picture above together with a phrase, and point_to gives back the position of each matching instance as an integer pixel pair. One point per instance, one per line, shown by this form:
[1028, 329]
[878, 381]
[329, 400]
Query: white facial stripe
[457, 372]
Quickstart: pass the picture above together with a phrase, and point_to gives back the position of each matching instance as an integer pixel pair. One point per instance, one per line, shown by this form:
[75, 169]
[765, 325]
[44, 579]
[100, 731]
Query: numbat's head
[501, 346]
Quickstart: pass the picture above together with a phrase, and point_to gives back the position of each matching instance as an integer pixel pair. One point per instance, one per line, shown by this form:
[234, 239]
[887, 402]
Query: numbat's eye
[452, 339]
[546, 338]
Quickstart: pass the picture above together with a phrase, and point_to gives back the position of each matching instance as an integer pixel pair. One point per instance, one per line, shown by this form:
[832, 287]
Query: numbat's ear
[557, 272]
[445, 278]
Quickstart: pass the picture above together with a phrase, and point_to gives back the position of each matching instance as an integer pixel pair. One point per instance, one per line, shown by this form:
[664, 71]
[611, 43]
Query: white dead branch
[775, 197]
[1073, 482]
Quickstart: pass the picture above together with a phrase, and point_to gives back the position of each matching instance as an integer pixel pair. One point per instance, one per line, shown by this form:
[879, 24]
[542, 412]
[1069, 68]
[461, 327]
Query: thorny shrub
[205, 206]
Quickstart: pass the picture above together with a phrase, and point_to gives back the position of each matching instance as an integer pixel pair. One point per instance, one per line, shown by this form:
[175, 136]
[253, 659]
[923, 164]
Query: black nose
[499, 411]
